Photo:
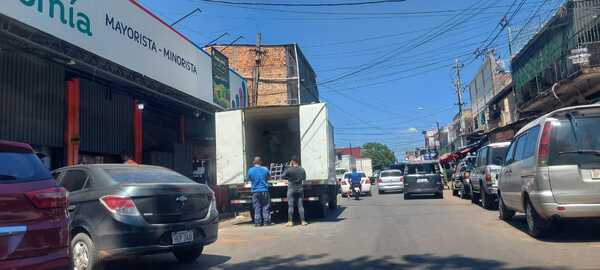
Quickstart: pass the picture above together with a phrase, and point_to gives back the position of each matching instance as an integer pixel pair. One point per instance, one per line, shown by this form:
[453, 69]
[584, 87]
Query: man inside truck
[295, 175]
[261, 201]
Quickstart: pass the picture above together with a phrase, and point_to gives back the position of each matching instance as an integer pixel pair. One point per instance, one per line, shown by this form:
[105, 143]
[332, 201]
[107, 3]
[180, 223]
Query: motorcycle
[356, 192]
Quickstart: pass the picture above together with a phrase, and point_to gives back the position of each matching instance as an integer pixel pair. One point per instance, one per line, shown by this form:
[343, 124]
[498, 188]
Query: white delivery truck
[276, 134]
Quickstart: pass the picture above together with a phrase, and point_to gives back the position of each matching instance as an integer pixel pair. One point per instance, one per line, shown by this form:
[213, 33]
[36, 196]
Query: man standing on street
[295, 193]
[261, 201]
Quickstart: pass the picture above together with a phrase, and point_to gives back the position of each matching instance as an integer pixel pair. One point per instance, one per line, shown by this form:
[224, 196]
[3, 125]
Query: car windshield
[362, 175]
[391, 173]
[497, 155]
[425, 168]
[570, 136]
[21, 167]
[146, 175]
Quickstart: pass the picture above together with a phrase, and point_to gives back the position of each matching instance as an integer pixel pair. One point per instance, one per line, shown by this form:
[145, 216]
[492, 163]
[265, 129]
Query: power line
[338, 4]
[445, 27]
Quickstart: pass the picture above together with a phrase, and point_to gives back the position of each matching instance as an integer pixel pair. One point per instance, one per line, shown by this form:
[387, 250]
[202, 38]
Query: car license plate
[182, 237]
[596, 174]
[422, 181]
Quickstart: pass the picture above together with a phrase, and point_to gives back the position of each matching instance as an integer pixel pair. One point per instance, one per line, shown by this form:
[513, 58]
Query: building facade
[560, 65]
[88, 90]
[285, 75]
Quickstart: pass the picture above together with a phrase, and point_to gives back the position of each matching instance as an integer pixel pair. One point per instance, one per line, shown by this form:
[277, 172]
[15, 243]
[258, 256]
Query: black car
[423, 177]
[119, 210]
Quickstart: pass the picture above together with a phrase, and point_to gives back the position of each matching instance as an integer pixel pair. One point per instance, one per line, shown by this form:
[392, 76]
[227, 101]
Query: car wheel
[83, 252]
[406, 196]
[503, 212]
[474, 196]
[440, 195]
[536, 225]
[188, 254]
[486, 201]
[455, 192]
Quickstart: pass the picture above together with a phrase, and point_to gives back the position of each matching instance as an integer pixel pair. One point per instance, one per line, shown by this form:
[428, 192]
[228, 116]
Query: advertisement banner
[238, 90]
[220, 74]
[125, 33]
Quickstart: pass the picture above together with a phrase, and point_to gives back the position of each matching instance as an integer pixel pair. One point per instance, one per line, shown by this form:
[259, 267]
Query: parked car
[552, 169]
[461, 180]
[120, 210]
[423, 177]
[365, 184]
[34, 225]
[484, 183]
[390, 181]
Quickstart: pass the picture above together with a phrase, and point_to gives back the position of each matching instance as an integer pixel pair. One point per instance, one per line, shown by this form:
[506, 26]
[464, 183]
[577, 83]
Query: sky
[385, 70]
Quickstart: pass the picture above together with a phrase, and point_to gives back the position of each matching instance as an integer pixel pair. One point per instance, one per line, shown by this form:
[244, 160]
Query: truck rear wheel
[332, 202]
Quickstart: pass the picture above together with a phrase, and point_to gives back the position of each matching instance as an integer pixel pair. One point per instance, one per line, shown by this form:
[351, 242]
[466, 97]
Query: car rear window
[426, 168]
[362, 175]
[582, 133]
[391, 174]
[146, 175]
[497, 155]
[21, 167]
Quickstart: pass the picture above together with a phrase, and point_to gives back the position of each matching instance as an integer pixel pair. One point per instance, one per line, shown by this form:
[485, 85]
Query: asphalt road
[387, 232]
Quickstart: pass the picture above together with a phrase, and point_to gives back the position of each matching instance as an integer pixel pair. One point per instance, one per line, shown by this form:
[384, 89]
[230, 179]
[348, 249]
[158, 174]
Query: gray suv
[552, 169]
[484, 183]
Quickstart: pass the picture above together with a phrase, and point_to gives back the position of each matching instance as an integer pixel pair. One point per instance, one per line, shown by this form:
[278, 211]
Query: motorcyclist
[355, 180]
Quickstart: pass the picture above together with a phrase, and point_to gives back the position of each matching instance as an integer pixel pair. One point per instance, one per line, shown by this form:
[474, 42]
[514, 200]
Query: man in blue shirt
[354, 179]
[261, 201]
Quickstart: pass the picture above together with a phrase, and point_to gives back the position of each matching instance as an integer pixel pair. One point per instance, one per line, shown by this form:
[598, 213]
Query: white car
[365, 184]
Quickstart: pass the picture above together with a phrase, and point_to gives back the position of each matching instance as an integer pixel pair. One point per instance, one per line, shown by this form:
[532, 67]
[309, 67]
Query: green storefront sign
[220, 72]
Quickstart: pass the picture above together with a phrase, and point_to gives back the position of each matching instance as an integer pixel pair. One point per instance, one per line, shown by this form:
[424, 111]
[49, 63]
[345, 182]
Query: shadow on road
[280, 217]
[565, 231]
[410, 262]
[163, 262]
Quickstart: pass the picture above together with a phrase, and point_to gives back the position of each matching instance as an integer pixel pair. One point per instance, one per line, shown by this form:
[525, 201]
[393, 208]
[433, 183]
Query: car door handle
[527, 176]
[72, 208]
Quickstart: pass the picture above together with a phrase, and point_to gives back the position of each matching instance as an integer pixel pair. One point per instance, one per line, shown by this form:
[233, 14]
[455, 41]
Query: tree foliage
[380, 154]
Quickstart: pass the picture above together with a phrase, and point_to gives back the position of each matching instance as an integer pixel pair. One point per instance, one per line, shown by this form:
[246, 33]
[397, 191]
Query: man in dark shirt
[295, 194]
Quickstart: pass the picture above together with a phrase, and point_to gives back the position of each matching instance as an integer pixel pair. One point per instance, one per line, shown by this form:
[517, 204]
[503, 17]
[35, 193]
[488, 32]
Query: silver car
[483, 176]
[552, 169]
[390, 181]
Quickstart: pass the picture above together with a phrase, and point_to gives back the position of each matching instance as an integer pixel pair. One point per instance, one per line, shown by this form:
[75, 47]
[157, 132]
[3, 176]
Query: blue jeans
[261, 201]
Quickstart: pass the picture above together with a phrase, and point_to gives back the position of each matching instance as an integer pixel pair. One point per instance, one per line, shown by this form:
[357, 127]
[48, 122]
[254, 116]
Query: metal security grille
[32, 99]
[587, 21]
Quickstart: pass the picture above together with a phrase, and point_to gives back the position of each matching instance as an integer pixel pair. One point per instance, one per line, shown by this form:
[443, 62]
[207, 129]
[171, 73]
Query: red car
[34, 225]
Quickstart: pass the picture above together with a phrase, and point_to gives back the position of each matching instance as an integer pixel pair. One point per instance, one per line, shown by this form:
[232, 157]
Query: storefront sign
[125, 33]
[220, 73]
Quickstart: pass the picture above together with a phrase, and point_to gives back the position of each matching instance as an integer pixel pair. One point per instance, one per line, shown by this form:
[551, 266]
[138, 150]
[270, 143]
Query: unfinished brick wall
[273, 86]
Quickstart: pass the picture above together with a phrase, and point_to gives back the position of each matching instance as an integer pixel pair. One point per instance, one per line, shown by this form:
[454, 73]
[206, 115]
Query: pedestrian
[295, 175]
[261, 201]
[127, 158]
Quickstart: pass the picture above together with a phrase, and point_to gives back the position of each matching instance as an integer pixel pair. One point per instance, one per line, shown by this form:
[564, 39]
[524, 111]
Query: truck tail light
[544, 150]
[48, 198]
[121, 205]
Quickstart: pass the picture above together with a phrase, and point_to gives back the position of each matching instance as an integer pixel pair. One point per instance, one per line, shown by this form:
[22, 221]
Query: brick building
[355, 152]
[286, 77]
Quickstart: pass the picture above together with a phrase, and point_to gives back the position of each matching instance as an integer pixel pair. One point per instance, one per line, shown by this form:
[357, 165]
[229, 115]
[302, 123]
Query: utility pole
[439, 132]
[258, 60]
[458, 85]
[506, 24]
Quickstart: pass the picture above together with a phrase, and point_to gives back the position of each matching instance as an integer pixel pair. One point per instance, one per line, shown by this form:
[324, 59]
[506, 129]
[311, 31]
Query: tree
[380, 155]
